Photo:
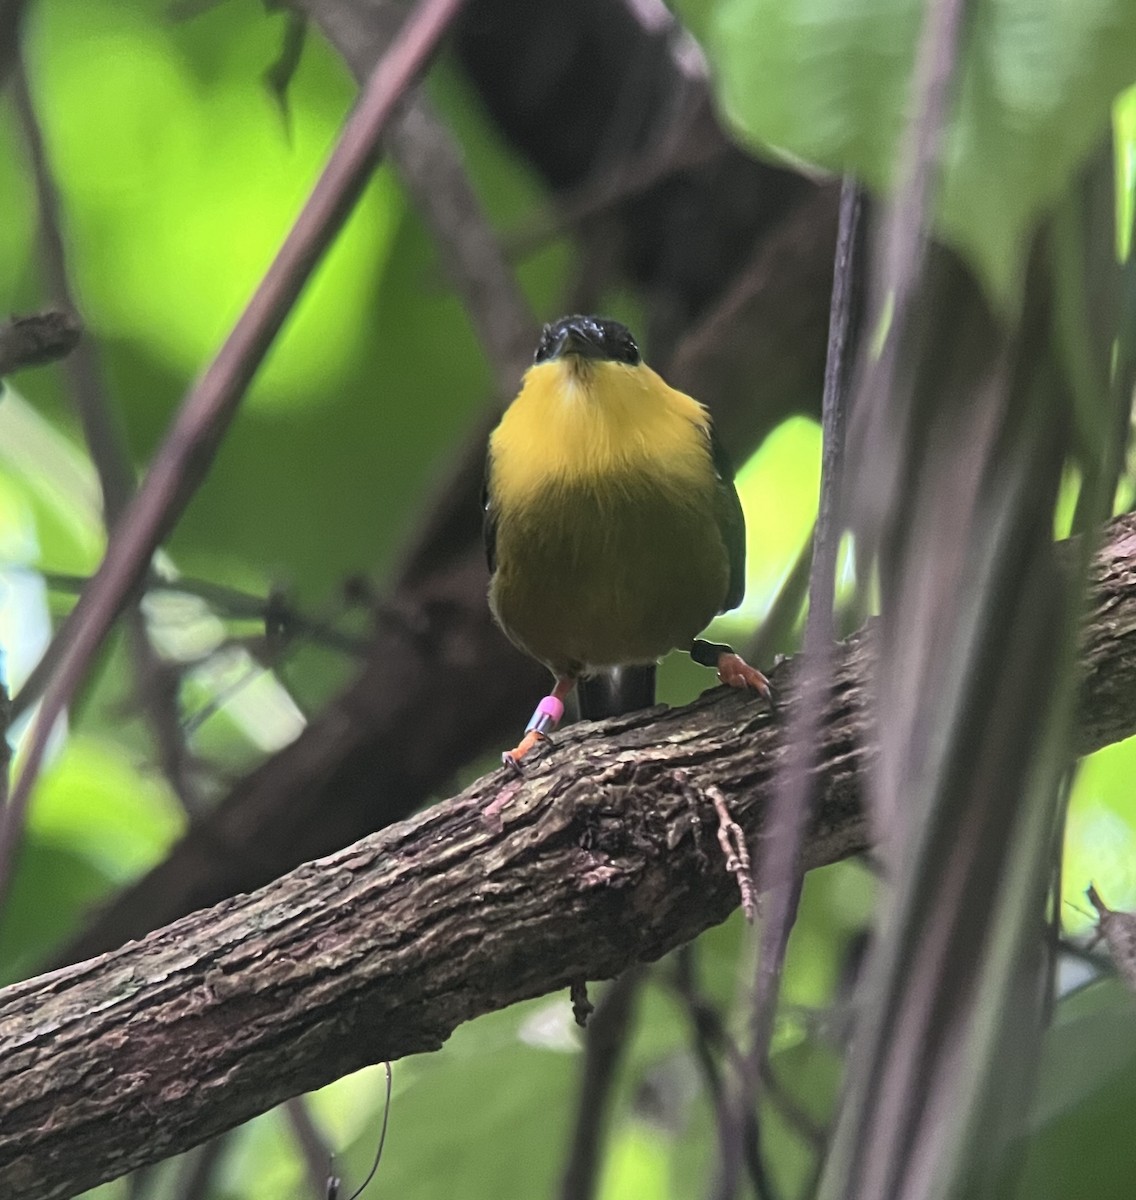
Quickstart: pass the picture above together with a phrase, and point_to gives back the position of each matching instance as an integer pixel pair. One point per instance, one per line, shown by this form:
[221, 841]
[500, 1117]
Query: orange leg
[543, 721]
[733, 670]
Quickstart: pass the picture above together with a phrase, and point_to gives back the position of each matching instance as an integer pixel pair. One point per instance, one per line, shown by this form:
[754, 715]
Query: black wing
[731, 520]
[488, 521]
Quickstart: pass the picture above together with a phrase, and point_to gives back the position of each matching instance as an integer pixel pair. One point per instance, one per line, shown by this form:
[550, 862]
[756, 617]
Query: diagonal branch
[598, 859]
[188, 450]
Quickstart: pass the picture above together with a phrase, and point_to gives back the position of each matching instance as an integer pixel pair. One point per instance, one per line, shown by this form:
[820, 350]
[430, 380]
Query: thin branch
[779, 853]
[902, 255]
[280, 619]
[101, 428]
[773, 635]
[313, 1147]
[11, 15]
[711, 1038]
[428, 159]
[5, 745]
[380, 950]
[187, 452]
[609, 1030]
[195, 1181]
[155, 681]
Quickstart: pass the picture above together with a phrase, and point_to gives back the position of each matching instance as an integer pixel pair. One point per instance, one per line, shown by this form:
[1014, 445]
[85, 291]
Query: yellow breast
[604, 501]
[580, 421]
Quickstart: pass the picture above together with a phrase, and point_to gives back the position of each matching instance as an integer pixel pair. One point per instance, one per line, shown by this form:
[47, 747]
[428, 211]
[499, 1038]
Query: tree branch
[597, 859]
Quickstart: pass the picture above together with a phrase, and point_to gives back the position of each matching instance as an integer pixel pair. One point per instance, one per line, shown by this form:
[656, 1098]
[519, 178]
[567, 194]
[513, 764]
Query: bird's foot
[512, 758]
[735, 672]
[543, 721]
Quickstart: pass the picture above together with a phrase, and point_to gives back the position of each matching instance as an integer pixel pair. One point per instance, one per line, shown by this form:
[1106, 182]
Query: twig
[197, 1176]
[682, 134]
[773, 634]
[428, 159]
[732, 841]
[711, 1038]
[37, 339]
[101, 428]
[11, 14]
[280, 619]
[582, 1007]
[604, 1046]
[334, 1183]
[187, 452]
[155, 684]
[314, 1149]
[5, 747]
[902, 254]
[1119, 929]
[780, 848]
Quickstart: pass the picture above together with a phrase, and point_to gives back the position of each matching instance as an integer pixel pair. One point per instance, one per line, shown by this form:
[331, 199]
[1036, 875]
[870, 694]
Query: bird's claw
[735, 672]
[512, 758]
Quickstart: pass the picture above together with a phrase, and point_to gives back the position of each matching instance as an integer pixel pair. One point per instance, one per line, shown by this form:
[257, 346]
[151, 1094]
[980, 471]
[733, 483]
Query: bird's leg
[543, 721]
[733, 670]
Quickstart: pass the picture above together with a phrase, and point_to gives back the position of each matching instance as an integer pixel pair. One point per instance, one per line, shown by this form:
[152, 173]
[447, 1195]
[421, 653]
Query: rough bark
[603, 855]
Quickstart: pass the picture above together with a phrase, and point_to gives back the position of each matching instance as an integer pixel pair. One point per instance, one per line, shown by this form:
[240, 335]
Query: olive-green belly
[586, 581]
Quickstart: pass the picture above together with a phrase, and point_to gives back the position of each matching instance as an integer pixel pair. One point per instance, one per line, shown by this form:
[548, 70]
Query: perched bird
[612, 526]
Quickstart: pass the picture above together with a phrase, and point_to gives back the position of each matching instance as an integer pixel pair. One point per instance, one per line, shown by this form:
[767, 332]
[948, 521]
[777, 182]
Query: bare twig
[879, 428]
[582, 1007]
[711, 1038]
[735, 852]
[281, 620]
[101, 427]
[773, 636]
[188, 450]
[427, 157]
[5, 747]
[779, 852]
[608, 1032]
[11, 14]
[199, 1171]
[155, 682]
[313, 1147]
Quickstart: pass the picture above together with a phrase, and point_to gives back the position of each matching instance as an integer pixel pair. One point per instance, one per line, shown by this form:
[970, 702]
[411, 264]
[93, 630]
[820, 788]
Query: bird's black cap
[588, 337]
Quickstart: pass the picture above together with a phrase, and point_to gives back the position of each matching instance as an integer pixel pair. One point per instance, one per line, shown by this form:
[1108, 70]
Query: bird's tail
[615, 691]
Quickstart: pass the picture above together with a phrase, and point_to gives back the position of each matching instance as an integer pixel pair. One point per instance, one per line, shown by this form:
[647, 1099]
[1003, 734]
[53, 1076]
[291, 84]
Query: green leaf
[487, 1110]
[830, 82]
[94, 802]
[1080, 1141]
[51, 887]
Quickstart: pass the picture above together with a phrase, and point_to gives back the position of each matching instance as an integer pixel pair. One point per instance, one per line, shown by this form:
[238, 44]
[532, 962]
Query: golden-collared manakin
[612, 526]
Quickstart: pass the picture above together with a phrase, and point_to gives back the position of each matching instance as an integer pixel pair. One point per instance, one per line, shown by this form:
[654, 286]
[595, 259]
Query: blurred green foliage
[179, 174]
[830, 83]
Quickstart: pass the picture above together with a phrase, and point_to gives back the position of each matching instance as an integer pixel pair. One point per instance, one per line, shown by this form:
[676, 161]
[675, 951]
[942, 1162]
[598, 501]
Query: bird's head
[580, 341]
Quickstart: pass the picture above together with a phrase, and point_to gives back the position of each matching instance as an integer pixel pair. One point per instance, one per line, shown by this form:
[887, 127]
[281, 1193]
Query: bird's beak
[576, 341]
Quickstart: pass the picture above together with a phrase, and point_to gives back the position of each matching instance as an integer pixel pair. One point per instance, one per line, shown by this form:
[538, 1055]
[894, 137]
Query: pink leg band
[547, 715]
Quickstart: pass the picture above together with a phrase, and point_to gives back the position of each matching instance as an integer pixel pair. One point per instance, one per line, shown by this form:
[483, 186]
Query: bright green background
[179, 175]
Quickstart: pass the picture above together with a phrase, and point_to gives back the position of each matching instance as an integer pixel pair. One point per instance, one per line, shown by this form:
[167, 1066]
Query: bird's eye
[626, 350]
[544, 346]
